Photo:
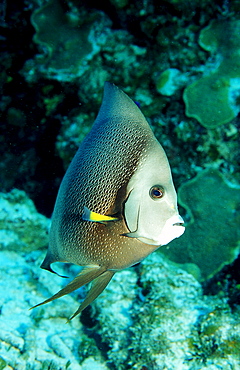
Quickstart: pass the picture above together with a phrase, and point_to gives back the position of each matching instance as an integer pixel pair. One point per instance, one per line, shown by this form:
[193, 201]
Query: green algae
[209, 99]
[211, 239]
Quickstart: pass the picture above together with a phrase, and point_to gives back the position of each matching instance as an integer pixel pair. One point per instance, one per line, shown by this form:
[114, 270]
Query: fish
[116, 203]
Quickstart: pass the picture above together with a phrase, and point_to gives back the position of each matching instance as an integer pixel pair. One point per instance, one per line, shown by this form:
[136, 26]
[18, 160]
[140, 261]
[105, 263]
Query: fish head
[150, 211]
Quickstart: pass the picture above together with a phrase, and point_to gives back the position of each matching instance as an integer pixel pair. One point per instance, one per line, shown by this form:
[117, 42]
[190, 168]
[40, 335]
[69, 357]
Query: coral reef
[165, 297]
[22, 228]
[131, 45]
[212, 238]
[212, 99]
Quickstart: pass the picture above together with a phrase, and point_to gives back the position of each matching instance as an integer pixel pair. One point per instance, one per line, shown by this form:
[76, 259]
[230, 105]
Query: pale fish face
[150, 210]
[172, 229]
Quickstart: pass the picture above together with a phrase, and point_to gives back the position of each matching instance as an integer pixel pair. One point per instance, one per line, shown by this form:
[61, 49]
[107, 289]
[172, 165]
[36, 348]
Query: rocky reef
[180, 62]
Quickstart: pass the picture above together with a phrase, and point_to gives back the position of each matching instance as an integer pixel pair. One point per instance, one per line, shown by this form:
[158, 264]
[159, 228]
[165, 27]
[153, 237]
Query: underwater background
[180, 61]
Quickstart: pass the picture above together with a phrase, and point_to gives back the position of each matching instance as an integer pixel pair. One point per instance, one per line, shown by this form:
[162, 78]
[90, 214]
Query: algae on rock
[22, 227]
[212, 237]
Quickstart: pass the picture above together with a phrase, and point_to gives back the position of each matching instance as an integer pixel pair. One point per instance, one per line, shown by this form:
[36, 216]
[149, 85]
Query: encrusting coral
[211, 239]
[211, 99]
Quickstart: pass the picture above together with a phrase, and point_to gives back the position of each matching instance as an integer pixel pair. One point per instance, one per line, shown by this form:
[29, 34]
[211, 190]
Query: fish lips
[173, 228]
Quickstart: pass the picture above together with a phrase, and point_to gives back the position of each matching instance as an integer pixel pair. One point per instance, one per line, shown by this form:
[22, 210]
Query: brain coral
[211, 98]
[211, 239]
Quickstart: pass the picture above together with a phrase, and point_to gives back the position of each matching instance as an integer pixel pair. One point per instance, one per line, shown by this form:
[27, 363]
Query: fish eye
[156, 192]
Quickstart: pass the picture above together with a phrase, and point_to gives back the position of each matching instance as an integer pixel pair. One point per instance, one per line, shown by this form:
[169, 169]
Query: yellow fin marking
[96, 217]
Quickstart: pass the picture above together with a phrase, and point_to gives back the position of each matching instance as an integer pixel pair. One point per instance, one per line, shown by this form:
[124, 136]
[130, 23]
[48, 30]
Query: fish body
[117, 202]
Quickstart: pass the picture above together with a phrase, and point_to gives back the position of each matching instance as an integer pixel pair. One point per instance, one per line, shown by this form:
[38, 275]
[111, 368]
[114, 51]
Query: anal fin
[84, 277]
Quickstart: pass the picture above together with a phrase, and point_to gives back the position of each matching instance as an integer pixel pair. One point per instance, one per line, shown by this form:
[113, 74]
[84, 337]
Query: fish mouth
[179, 221]
[179, 224]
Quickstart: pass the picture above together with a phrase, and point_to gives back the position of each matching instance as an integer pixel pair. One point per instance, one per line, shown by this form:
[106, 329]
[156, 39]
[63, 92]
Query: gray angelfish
[116, 203]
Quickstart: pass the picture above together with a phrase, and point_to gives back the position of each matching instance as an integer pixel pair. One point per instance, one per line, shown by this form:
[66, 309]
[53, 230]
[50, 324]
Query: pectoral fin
[96, 217]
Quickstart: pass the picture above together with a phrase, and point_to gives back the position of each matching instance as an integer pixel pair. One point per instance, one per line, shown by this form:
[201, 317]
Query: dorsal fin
[116, 103]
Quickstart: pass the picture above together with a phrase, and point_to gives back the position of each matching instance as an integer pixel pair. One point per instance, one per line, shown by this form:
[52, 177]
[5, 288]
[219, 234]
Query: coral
[70, 37]
[126, 58]
[39, 339]
[52, 103]
[114, 315]
[211, 239]
[167, 82]
[166, 323]
[218, 337]
[167, 294]
[22, 228]
[221, 36]
[207, 100]
[212, 98]
[72, 133]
